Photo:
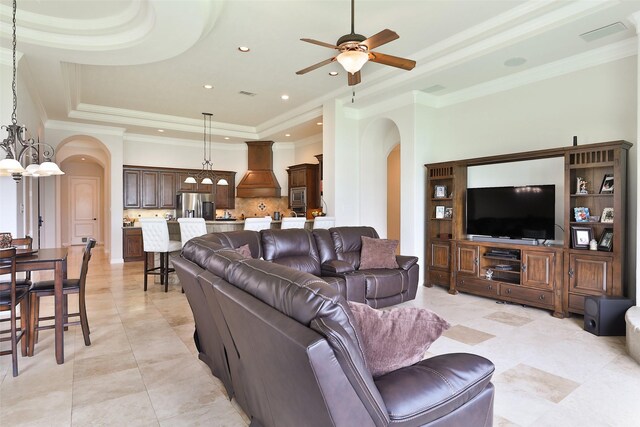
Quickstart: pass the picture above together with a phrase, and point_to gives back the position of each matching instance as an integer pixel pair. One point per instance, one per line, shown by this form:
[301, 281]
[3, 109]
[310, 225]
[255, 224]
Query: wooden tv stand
[557, 278]
[523, 274]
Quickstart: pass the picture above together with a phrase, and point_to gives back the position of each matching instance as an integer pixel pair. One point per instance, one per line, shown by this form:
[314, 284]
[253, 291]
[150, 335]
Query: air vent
[434, 88]
[605, 31]
[245, 93]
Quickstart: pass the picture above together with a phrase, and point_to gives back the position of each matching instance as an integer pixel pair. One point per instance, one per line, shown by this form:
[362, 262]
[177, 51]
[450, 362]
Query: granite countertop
[224, 221]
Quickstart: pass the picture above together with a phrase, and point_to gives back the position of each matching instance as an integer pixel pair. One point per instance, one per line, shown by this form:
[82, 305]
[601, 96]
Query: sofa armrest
[435, 387]
[336, 267]
[405, 262]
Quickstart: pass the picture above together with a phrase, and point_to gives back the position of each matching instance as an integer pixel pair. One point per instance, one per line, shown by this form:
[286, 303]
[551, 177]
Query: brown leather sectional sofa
[333, 255]
[283, 343]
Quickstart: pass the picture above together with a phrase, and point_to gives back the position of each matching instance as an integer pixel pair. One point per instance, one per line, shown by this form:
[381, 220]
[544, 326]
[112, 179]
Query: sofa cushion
[294, 248]
[378, 253]
[199, 249]
[382, 283]
[435, 387]
[396, 338]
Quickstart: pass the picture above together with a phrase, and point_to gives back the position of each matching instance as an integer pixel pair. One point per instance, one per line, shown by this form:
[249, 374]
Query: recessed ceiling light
[160, 130]
[244, 49]
[82, 158]
[319, 123]
[287, 134]
[333, 73]
[284, 97]
[226, 137]
[514, 62]
[208, 86]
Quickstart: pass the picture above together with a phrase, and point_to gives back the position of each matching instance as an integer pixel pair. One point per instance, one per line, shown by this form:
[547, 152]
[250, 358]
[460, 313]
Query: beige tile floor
[142, 367]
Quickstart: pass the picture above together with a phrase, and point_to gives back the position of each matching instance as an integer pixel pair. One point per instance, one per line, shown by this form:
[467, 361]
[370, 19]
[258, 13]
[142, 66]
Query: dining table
[55, 259]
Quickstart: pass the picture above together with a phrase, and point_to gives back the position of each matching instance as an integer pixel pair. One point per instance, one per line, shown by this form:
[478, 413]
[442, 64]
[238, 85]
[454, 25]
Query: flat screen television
[526, 212]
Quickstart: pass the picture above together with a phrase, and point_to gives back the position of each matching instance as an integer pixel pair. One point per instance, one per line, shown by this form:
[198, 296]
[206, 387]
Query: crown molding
[84, 128]
[148, 139]
[275, 127]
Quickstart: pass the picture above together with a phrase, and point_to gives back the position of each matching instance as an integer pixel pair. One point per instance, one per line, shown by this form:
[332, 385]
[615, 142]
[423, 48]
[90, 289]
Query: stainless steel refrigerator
[195, 205]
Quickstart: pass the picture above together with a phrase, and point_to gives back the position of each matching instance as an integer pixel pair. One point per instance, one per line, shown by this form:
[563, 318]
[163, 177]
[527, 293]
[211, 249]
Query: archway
[393, 194]
[378, 140]
[83, 157]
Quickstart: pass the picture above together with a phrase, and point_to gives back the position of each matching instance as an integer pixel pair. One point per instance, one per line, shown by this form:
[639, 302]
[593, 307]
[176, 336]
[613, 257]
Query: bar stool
[290, 222]
[324, 222]
[155, 238]
[10, 297]
[190, 228]
[257, 224]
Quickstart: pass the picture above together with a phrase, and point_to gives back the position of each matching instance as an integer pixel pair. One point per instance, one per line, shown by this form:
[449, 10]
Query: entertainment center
[533, 271]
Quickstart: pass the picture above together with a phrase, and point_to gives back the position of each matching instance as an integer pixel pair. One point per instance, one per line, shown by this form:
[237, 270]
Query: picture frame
[581, 236]
[606, 240]
[581, 214]
[439, 212]
[439, 191]
[607, 184]
[448, 212]
[607, 215]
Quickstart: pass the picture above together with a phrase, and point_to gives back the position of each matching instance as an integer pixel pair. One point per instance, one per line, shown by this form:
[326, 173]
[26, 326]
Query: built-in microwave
[298, 197]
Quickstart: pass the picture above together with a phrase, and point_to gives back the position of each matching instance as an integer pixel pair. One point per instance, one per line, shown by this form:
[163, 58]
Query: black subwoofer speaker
[604, 316]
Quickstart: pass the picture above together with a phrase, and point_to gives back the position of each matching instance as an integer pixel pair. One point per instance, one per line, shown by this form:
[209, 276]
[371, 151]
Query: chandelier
[206, 176]
[17, 146]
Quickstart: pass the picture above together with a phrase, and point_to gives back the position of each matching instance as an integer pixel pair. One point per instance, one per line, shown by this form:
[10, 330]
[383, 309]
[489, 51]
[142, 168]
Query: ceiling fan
[355, 51]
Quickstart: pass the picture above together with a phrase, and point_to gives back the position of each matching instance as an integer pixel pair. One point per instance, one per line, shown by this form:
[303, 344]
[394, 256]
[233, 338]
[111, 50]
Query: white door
[84, 196]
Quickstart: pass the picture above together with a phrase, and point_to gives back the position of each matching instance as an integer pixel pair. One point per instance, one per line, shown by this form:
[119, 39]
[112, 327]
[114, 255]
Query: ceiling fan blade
[354, 79]
[319, 43]
[383, 37]
[394, 61]
[318, 65]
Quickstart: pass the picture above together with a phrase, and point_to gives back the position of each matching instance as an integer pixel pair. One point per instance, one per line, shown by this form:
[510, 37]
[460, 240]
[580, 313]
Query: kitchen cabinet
[167, 192]
[226, 194]
[307, 176]
[131, 187]
[150, 189]
[132, 248]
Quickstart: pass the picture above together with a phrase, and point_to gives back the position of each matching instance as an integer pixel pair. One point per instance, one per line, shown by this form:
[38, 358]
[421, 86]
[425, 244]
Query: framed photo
[606, 240]
[440, 191]
[607, 184]
[448, 212]
[607, 215]
[581, 214]
[580, 237]
[581, 186]
[439, 212]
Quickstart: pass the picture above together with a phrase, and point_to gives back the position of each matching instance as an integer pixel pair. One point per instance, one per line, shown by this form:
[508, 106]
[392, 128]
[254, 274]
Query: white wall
[305, 152]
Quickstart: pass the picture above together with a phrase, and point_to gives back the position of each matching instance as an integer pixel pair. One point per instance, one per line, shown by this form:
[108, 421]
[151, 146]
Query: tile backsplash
[258, 206]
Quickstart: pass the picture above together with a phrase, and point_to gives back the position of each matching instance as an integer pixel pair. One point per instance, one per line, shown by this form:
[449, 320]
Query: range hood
[259, 181]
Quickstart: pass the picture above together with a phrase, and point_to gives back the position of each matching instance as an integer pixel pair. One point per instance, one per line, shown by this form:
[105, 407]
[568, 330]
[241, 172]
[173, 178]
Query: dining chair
[25, 242]
[291, 222]
[10, 297]
[190, 228]
[46, 288]
[155, 238]
[257, 224]
[324, 222]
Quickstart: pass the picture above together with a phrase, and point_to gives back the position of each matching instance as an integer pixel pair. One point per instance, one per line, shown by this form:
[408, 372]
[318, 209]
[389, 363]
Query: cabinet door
[204, 188]
[591, 275]
[183, 186]
[149, 189]
[167, 195]
[538, 269]
[440, 255]
[298, 178]
[131, 186]
[467, 260]
[132, 249]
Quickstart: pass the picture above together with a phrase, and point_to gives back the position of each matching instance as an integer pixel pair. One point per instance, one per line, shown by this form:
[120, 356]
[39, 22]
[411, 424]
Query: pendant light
[206, 176]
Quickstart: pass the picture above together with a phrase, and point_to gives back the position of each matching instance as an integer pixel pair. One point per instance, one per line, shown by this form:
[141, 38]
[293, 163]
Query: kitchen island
[132, 236]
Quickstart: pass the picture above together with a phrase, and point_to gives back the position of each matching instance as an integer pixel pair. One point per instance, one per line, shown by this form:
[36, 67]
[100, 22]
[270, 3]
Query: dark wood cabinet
[226, 194]
[589, 274]
[467, 260]
[131, 189]
[538, 269]
[132, 248]
[307, 176]
[149, 189]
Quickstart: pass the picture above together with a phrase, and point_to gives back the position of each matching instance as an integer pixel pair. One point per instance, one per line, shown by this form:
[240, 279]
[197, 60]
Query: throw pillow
[244, 250]
[378, 253]
[395, 338]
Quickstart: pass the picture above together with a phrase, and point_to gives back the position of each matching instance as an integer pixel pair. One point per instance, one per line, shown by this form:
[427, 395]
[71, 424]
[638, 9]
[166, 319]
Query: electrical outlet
[84, 240]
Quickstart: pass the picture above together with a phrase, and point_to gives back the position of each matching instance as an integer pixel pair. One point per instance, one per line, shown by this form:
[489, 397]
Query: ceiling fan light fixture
[352, 60]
